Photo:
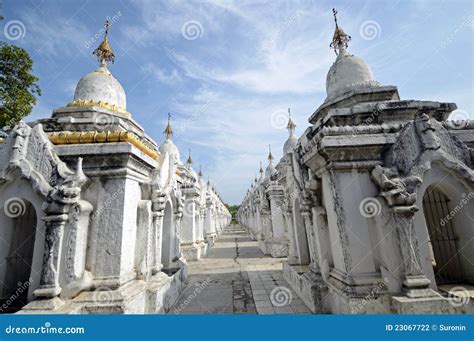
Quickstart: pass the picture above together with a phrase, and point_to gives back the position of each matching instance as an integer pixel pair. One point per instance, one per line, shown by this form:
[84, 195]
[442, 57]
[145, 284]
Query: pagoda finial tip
[168, 130]
[340, 39]
[104, 52]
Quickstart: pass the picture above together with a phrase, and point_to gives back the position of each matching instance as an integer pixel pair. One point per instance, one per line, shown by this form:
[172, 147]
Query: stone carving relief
[33, 157]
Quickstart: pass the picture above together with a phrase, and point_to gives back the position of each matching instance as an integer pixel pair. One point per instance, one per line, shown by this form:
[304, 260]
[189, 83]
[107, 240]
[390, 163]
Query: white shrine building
[373, 204]
[96, 217]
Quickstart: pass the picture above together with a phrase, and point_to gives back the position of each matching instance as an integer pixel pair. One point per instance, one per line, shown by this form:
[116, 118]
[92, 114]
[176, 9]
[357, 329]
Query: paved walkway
[237, 278]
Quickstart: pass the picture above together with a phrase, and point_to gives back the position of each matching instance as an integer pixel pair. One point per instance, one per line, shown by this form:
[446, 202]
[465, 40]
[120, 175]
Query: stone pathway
[237, 278]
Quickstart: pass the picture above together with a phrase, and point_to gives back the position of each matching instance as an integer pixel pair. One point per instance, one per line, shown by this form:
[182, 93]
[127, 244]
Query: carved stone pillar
[158, 207]
[49, 285]
[293, 258]
[415, 284]
[400, 194]
[308, 223]
[278, 243]
[190, 225]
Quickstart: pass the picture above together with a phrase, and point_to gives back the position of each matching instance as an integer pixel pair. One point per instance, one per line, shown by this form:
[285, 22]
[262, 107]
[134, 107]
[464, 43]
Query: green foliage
[233, 209]
[17, 85]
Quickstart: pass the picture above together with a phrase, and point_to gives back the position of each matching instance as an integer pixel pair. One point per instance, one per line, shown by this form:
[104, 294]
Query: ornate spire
[168, 130]
[270, 156]
[340, 38]
[291, 125]
[190, 159]
[256, 178]
[104, 52]
[261, 169]
[200, 172]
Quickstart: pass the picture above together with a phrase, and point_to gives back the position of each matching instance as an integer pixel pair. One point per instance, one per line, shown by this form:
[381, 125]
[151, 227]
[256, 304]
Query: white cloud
[170, 77]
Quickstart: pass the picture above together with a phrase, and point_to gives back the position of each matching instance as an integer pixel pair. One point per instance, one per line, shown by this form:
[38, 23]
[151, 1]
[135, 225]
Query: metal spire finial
[104, 52]
[190, 160]
[291, 125]
[168, 130]
[270, 156]
[340, 38]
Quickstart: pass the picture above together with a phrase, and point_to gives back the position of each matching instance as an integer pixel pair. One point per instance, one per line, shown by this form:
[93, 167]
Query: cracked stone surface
[237, 278]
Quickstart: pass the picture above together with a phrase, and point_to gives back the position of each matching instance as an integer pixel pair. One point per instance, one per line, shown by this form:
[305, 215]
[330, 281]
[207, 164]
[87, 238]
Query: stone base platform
[195, 251]
[274, 247]
[155, 296]
[191, 252]
[307, 285]
[431, 305]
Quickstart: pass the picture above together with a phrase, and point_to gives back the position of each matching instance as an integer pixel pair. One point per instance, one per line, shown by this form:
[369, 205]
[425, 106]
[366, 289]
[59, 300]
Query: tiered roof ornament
[340, 39]
[190, 160]
[168, 130]
[270, 155]
[104, 51]
[291, 126]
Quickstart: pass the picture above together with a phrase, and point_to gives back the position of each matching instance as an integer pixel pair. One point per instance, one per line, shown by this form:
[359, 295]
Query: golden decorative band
[67, 137]
[2, 139]
[105, 105]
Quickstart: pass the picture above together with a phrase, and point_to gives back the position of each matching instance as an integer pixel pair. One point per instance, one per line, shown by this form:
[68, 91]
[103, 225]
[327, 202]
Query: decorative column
[400, 193]
[158, 207]
[278, 242]
[189, 236]
[55, 222]
[288, 215]
[209, 221]
[306, 204]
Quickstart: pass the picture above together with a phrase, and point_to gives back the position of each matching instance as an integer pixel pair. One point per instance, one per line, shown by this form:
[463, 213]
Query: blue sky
[228, 70]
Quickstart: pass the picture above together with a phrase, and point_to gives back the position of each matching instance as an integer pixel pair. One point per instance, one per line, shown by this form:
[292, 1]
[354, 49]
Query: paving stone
[234, 278]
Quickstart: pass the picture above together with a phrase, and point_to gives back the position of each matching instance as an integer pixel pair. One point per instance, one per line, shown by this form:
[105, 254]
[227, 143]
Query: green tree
[233, 209]
[17, 85]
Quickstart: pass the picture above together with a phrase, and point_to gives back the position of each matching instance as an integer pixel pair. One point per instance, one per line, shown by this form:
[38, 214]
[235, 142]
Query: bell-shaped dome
[348, 73]
[169, 147]
[101, 86]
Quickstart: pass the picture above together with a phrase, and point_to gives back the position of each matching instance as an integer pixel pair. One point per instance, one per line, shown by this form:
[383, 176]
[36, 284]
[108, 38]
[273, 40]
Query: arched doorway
[168, 241]
[300, 234]
[443, 241]
[22, 233]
